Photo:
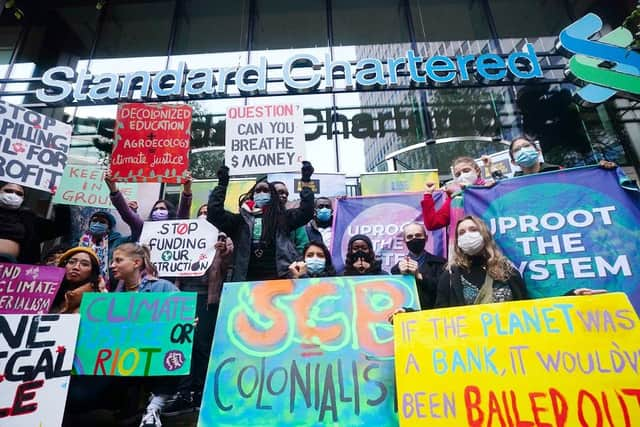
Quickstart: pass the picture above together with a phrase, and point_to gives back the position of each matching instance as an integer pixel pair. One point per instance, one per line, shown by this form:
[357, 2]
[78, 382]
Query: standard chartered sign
[63, 84]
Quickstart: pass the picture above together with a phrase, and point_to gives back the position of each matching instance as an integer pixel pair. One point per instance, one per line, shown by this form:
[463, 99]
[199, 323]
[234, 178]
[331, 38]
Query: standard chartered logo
[606, 65]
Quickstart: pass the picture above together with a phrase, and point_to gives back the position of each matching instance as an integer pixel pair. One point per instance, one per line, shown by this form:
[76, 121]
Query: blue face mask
[160, 215]
[527, 157]
[324, 214]
[98, 228]
[315, 265]
[262, 199]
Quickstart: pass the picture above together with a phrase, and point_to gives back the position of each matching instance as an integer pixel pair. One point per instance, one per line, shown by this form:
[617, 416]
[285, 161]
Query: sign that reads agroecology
[63, 84]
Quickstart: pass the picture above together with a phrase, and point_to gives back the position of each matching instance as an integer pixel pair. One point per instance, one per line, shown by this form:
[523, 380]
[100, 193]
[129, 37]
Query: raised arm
[131, 218]
[216, 214]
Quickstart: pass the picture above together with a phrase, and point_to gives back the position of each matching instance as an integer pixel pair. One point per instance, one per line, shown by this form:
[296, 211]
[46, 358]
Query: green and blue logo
[607, 65]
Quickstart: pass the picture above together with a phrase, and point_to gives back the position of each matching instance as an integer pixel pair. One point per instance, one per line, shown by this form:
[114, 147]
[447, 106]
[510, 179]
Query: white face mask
[467, 178]
[10, 200]
[471, 242]
[203, 216]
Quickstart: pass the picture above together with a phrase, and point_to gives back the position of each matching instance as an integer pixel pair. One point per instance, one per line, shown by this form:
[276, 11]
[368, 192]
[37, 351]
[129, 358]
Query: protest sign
[151, 143]
[34, 148]
[260, 138]
[500, 161]
[396, 182]
[382, 219]
[28, 289]
[322, 184]
[568, 361]
[35, 364]
[305, 352]
[575, 228]
[135, 334]
[180, 248]
[83, 185]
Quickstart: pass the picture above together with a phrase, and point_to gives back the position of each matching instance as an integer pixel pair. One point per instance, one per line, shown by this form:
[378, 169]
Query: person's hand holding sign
[223, 176]
[113, 188]
[297, 269]
[186, 183]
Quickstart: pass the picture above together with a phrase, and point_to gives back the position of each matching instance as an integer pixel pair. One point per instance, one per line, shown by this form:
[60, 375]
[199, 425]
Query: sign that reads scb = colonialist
[570, 361]
[182, 248]
[36, 356]
[264, 138]
[33, 148]
[28, 289]
[151, 143]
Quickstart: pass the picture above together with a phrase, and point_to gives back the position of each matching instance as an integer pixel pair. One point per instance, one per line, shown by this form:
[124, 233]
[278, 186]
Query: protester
[424, 266]
[202, 212]
[361, 259]
[526, 155]
[22, 230]
[261, 232]
[316, 262]
[82, 274]
[299, 235]
[319, 228]
[52, 256]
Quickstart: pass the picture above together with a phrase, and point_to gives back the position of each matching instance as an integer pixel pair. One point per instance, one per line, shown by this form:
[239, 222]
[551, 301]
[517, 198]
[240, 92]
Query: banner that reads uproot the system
[569, 361]
[568, 229]
[305, 352]
[135, 334]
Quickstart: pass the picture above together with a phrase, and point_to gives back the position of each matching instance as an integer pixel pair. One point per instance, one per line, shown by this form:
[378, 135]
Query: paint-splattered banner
[28, 289]
[135, 334]
[36, 355]
[305, 352]
[570, 361]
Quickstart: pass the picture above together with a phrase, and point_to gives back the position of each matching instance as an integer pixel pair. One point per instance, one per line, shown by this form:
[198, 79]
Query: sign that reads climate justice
[261, 138]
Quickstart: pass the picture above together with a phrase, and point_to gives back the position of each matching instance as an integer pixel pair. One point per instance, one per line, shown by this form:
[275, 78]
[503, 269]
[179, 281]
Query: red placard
[151, 143]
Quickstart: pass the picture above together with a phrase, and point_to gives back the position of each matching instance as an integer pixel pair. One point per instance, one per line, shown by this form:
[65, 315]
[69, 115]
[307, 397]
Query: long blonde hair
[498, 266]
[135, 250]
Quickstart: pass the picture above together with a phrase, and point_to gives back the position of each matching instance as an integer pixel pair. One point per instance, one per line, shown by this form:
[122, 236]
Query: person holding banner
[361, 259]
[261, 232]
[82, 274]
[316, 262]
[526, 155]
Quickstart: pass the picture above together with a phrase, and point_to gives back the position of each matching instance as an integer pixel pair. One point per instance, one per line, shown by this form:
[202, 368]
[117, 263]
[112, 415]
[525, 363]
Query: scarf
[101, 249]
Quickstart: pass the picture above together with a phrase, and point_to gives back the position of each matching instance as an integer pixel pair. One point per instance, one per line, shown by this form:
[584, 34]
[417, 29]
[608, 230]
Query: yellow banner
[570, 361]
[396, 182]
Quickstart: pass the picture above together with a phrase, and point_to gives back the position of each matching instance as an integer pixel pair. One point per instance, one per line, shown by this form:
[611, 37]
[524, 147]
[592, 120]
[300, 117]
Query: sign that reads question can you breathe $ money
[263, 138]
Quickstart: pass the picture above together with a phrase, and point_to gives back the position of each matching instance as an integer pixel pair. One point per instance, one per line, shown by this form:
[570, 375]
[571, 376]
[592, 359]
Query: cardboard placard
[83, 185]
[396, 182]
[28, 289]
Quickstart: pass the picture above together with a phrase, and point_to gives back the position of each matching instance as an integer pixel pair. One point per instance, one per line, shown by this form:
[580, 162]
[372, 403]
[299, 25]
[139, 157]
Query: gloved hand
[306, 171]
[223, 176]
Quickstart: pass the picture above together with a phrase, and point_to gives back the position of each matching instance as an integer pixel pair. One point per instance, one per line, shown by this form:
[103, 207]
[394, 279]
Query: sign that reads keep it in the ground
[264, 138]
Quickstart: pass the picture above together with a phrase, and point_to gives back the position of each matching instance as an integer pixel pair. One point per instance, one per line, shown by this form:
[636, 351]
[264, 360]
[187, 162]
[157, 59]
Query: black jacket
[428, 286]
[240, 228]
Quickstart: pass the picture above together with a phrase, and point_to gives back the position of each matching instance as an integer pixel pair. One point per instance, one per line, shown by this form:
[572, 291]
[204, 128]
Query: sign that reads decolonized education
[115, 335]
[28, 289]
[151, 143]
[264, 138]
[34, 148]
[36, 356]
[83, 185]
[305, 352]
[570, 361]
[181, 248]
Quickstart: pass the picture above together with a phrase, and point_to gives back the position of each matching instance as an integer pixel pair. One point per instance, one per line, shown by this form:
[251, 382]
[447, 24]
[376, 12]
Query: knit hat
[65, 256]
[362, 237]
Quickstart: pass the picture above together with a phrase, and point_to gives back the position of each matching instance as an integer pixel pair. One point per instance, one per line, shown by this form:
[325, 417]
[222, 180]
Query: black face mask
[416, 246]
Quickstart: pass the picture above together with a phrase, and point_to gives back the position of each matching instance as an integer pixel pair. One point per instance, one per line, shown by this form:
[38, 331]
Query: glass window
[435, 20]
[521, 18]
[9, 33]
[362, 22]
[287, 24]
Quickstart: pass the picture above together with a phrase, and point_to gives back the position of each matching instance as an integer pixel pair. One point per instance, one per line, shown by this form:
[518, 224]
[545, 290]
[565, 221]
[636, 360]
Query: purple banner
[381, 218]
[28, 289]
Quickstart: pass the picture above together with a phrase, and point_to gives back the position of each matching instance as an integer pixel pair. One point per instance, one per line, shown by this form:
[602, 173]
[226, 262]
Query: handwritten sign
[135, 334]
[396, 182]
[36, 354]
[33, 148]
[261, 138]
[83, 185]
[151, 143]
[182, 248]
[305, 352]
[28, 289]
[570, 361]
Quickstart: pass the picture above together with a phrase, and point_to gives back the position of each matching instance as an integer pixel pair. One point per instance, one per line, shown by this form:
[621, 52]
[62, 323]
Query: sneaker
[180, 403]
[151, 419]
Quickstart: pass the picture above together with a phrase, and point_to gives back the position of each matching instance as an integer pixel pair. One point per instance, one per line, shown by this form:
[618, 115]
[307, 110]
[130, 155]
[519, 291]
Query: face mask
[416, 246]
[323, 215]
[160, 215]
[527, 157]
[315, 265]
[203, 216]
[97, 228]
[10, 200]
[467, 178]
[471, 242]
[262, 199]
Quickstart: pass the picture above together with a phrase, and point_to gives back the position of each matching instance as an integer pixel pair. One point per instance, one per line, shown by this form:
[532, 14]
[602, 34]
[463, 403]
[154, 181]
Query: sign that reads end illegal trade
[263, 138]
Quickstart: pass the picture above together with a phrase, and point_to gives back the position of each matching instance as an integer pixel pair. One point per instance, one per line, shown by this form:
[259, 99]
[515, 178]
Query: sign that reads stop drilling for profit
[262, 138]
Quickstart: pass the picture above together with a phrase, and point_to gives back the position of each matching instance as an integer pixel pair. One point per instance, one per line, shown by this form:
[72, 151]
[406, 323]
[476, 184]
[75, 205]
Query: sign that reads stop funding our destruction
[263, 138]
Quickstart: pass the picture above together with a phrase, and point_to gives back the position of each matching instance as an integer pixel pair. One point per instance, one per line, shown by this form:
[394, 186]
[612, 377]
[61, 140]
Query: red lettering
[494, 408]
[100, 361]
[625, 410]
[537, 409]
[473, 405]
[582, 394]
[632, 392]
[559, 404]
[516, 413]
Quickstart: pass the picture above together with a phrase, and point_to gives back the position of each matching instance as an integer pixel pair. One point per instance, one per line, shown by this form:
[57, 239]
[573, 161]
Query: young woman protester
[82, 274]
[361, 259]
[316, 262]
[261, 232]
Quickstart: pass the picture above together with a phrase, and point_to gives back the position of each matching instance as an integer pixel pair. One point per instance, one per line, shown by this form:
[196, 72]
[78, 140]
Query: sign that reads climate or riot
[151, 143]
[83, 185]
[261, 138]
[28, 289]
[180, 248]
[115, 335]
[570, 361]
[34, 148]
[36, 356]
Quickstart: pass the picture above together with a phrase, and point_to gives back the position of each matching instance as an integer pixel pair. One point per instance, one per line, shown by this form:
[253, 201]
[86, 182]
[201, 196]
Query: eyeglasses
[83, 263]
